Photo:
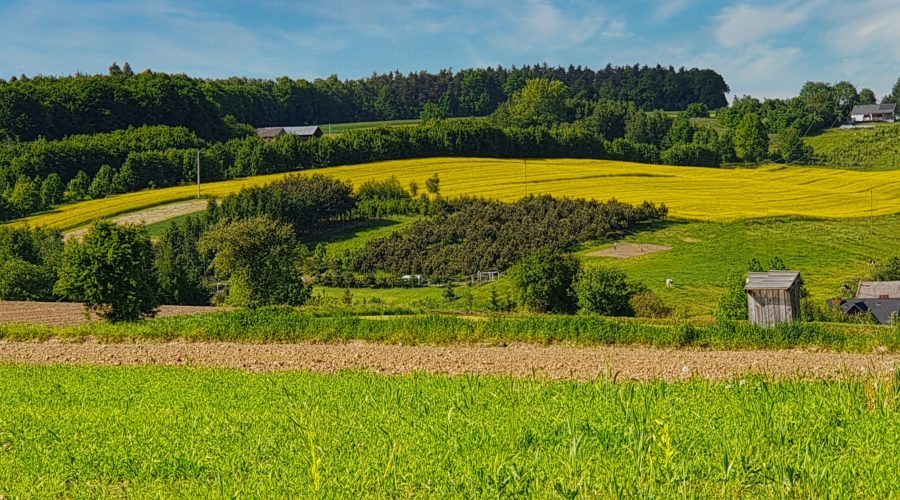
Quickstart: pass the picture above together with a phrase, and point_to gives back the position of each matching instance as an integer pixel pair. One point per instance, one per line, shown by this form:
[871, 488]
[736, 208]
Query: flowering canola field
[708, 194]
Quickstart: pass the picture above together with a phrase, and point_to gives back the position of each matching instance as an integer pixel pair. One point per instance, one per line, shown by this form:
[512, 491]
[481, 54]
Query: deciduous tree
[262, 258]
[751, 140]
[112, 272]
[544, 282]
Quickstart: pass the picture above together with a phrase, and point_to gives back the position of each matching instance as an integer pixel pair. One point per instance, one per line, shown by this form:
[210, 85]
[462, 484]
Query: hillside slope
[696, 193]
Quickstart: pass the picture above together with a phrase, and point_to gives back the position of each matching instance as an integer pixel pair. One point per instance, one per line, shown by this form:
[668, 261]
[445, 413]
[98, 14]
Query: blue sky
[763, 48]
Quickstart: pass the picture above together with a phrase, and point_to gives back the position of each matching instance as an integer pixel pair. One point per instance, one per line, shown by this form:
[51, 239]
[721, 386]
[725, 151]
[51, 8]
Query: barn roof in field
[868, 109]
[303, 131]
[878, 290]
[269, 132]
[772, 280]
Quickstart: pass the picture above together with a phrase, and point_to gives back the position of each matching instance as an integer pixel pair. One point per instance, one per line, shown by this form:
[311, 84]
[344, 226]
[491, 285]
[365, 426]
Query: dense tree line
[88, 153]
[467, 235]
[29, 263]
[55, 107]
[134, 159]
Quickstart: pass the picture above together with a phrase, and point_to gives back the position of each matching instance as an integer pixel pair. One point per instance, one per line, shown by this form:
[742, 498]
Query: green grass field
[874, 149]
[828, 254]
[201, 433]
[338, 128]
[356, 234]
[372, 325]
[156, 230]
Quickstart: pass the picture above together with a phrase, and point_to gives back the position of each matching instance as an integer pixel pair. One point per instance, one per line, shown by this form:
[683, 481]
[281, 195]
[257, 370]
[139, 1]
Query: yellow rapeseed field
[690, 192]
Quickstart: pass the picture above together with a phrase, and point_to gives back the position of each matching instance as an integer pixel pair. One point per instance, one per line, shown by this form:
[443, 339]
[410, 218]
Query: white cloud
[758, 69]
[540, 26]
[668, 8]
[873, 35]
[742, 24]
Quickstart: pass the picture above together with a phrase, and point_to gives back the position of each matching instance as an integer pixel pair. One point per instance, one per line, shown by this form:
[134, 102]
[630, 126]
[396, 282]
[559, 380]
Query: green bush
[697, 110]
[733, 303]
[21, 280]
[605, 291]
[29, 259]
[649, 305]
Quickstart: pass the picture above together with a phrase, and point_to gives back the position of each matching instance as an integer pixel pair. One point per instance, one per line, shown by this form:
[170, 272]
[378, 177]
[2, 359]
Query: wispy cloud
[668, 8]
[543, 26]
[743, 23]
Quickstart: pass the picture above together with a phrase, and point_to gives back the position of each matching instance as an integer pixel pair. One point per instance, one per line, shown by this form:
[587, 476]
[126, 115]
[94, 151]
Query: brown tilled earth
[520, 360]
[68, 313]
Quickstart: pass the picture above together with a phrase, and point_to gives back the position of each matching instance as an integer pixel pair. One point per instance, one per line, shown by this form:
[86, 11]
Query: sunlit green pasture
[199, 433]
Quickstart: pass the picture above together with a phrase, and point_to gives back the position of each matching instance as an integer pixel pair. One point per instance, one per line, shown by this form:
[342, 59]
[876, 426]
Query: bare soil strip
[629, 250]
[519, 360]
[150, 215]
[71, 313]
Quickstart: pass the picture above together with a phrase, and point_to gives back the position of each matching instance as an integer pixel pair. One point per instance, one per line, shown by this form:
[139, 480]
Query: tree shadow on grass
[347, 230]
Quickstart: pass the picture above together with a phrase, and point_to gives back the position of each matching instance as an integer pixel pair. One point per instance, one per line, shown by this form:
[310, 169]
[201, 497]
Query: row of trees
[55, 107]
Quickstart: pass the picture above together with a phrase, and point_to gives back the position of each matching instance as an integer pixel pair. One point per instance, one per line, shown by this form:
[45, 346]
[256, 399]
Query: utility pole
[526, 176]
[198, 174]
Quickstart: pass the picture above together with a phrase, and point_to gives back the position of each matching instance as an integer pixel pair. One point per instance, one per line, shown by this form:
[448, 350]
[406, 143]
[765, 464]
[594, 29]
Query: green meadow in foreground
[283, 324]
[192, 433]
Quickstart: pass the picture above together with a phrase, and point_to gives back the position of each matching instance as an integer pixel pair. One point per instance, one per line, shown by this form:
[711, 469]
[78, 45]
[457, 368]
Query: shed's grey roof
[267, 132]
[868, 109]
[878, 290]
[772, 280]
[303, 131]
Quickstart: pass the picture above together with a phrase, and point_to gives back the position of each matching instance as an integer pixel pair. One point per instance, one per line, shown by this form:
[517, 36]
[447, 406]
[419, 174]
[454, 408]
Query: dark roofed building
[854, 307]
[884, 310]
[306, 132]
[868, 113]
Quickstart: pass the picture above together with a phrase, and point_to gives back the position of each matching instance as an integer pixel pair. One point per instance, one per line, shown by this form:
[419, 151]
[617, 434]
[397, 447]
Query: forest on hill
[56, 107]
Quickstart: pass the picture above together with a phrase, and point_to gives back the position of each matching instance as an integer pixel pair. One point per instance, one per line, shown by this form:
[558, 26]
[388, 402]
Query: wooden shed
[773, 297]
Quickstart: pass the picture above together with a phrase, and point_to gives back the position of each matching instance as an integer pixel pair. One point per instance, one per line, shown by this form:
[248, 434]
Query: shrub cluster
[467, 235]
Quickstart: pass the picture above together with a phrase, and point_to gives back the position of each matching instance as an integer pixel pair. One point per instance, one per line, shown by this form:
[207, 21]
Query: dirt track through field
[629, 250]
[150, 215]
[556, 362]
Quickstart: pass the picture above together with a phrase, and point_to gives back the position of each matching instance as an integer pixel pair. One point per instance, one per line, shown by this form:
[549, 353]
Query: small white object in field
[670, 282]
[685, 370]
